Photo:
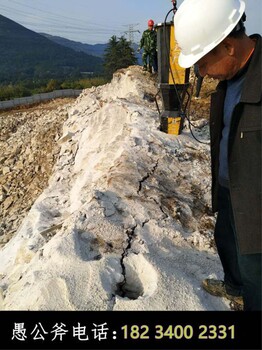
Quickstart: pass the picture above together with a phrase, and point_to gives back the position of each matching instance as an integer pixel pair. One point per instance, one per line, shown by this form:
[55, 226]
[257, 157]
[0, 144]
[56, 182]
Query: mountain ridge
[95, 50]
[29, 55]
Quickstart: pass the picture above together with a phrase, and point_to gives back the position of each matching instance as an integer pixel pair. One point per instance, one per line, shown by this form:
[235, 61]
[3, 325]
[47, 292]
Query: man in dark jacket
[235, 129]
[148, 42]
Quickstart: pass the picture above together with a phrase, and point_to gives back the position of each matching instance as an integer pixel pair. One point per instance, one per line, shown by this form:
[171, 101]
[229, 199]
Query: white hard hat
[200, 25]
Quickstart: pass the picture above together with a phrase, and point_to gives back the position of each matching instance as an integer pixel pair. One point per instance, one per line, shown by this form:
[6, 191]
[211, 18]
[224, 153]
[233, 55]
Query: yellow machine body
[174, 125]
[173, 80]
[178, 72]
[171, 125]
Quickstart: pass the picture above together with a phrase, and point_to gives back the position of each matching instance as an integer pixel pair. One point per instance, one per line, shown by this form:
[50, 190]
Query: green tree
[52, 85]
[119, 54]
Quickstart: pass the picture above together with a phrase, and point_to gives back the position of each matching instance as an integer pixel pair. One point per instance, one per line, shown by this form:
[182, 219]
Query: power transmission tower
[131, 30]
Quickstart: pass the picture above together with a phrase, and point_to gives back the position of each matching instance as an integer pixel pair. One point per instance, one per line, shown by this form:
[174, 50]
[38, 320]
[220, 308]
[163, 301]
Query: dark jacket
[244, 152]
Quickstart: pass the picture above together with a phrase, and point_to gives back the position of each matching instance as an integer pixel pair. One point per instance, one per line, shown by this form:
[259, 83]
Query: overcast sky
[91, 21]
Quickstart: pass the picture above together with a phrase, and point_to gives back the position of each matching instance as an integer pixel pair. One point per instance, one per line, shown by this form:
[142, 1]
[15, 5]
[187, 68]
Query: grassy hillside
[28, 55]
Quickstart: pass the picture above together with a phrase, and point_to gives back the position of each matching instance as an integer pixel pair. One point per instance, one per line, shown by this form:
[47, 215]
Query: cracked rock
[116, 217]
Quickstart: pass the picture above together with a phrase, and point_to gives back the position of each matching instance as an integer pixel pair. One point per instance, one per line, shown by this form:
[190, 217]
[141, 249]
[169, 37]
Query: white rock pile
[124, 222]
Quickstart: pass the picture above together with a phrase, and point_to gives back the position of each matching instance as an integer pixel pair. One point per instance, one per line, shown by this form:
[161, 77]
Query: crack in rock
[150, 173]
[145, 222]
[161, 208]
[121, 287]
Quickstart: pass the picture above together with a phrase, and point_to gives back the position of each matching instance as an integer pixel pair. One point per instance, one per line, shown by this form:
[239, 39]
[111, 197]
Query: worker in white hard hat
[211, 34]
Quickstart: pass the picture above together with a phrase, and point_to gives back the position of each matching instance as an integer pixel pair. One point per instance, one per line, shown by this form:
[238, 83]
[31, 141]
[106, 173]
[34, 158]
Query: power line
[57, 25]
[59, 16]
[131, 30]
[37, 20]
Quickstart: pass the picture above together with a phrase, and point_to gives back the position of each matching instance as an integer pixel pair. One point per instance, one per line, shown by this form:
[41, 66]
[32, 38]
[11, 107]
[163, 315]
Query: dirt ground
[28, 151]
